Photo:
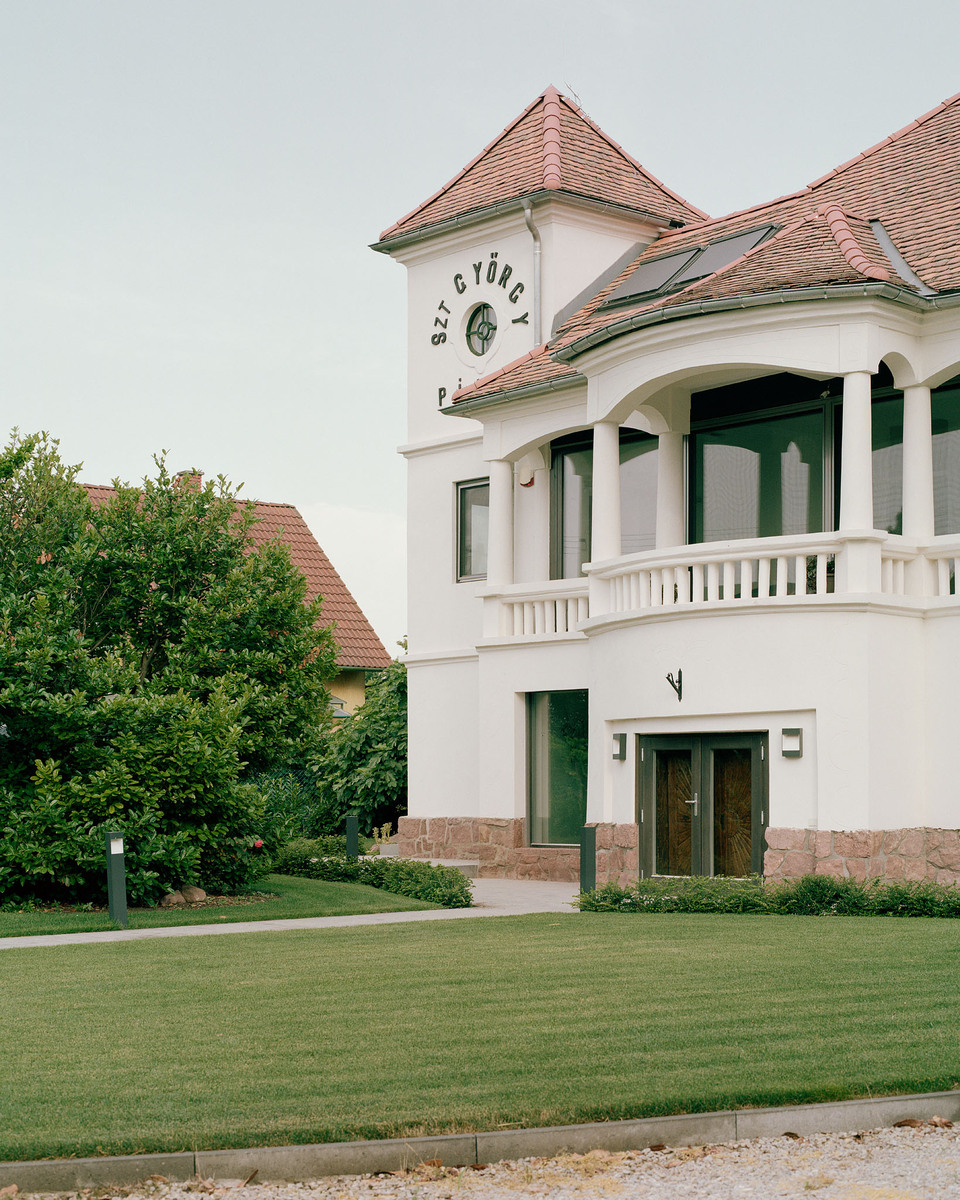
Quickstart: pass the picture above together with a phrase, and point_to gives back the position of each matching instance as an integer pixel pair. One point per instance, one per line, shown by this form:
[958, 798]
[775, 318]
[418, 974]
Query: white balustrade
[720, 573]
[554, 608]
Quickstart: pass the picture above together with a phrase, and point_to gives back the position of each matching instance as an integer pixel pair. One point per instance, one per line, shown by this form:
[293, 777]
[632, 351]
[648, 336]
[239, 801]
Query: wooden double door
[702, 803]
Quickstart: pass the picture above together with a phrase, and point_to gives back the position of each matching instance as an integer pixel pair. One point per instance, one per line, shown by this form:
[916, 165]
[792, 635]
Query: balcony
[809, 569]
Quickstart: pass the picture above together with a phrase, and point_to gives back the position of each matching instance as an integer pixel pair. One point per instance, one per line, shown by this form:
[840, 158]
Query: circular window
[481, 329]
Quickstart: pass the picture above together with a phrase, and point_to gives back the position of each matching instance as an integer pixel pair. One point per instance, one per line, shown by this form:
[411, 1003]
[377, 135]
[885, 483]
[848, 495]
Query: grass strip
[293, 898]
[436, 1027]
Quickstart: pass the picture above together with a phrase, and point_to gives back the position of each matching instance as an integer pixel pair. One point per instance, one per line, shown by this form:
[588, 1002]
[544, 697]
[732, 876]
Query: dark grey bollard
[588, 858]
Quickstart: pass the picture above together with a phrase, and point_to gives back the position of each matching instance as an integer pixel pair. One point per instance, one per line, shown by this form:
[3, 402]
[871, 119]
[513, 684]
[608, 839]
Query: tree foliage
[150, 656]
[363, 766]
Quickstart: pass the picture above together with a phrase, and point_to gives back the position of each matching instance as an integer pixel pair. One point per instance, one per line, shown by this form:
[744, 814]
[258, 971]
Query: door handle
[693, 802]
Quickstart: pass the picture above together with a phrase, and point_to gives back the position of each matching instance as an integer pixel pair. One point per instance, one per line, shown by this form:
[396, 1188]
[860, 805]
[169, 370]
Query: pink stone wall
[910, 854]
[618, 854]
[498, 844]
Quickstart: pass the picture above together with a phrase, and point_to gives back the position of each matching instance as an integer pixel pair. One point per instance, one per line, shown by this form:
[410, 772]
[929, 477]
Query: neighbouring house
[684, 514]
[360, 651]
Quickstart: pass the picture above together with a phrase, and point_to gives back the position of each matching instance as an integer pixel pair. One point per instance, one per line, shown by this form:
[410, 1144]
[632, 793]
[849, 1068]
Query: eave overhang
[700, 308]
[467, 408]
[488, 212]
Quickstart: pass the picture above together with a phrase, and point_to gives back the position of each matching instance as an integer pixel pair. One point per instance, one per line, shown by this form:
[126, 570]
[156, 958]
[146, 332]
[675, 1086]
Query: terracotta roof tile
[910, 182]
[359, 647]
[551, 146]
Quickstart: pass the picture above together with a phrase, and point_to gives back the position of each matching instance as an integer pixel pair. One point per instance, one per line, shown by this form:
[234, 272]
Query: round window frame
[469, 333]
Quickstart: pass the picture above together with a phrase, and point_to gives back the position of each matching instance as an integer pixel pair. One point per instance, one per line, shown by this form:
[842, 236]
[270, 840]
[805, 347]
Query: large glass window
[759, 472]
[473, 523]
[759, 479]
[572, 499]
[945, 411]
[557, 738]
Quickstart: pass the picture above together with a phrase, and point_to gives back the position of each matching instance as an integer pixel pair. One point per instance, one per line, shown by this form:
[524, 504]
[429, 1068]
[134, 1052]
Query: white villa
[684, 514]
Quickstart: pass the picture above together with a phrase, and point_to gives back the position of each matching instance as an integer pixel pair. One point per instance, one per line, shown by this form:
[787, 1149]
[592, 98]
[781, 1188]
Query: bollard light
[116, 878]
[353, 836]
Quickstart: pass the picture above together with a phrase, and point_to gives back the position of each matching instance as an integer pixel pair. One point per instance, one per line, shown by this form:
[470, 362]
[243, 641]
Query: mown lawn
[471, 1024]
[292, 898]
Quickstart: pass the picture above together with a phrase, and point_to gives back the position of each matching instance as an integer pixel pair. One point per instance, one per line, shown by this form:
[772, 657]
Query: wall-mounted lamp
[619, 747]
[791, 743]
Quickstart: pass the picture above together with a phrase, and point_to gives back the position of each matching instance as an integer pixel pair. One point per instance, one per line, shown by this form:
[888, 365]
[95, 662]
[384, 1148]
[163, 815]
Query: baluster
[943, 577]
[668, 587]
[656, 588]
[886, 575]
[698, 593]
[729, 580]
[550, 616]
[713, 582]
[783, 575]
[821, 574]
[683, 584]
[643, 583]
[634, 590]
[746, 578]
[763, 578]
[800, 569]
[898, 576]
[583, 608]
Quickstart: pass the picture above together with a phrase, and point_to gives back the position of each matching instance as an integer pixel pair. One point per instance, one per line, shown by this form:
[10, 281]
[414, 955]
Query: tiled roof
[358, 645]
[551, 146]
[910, 182]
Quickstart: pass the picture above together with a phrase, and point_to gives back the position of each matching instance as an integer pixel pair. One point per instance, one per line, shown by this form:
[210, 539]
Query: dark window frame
[461, 488]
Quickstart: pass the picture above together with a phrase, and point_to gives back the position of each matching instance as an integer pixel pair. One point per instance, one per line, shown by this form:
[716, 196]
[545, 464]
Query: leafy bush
[293, 806]
[150, 656]
[363, 764]
[811, 895]
[404, 877]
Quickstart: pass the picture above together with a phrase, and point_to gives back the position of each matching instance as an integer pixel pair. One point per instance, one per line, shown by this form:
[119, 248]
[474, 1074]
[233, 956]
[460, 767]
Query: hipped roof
[823, 236]
[551, 147]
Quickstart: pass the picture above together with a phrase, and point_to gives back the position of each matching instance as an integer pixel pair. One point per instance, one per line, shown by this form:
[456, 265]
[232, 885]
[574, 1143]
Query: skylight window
[660, 276]
[650, 277]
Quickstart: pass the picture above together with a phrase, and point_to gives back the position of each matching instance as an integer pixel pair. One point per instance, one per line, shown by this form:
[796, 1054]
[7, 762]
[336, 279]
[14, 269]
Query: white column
[605, 531]
[856, 466]
[670, 525]
[859, 564]
[500, 543]
[917, 464]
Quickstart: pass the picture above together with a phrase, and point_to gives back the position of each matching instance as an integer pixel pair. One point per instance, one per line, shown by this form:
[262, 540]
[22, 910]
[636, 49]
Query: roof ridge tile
[846, 239]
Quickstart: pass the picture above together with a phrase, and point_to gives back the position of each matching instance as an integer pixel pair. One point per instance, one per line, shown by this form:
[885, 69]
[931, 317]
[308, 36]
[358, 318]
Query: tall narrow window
[886, 417]
[557, 724]
[945, 411]
[473, 523]
[572, 499]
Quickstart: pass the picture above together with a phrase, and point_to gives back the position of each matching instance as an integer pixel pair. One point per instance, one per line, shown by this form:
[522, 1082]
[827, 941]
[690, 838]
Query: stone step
[466, 866]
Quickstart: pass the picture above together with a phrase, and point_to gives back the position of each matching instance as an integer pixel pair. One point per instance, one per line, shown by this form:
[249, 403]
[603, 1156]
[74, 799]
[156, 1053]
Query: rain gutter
[504, 207]
[463, 408]
[537, 268]
[700, 308]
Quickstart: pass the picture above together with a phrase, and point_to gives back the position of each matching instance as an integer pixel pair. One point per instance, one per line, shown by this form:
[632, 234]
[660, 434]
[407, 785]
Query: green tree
[363, 765]
[150, 657]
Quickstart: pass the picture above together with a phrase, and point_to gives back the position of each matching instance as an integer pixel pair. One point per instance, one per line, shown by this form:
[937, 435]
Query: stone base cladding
[909, 854]
[498, 844]
[618, 854]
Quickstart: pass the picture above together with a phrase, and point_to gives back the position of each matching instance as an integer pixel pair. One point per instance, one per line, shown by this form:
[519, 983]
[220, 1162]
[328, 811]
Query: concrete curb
[461, 1149]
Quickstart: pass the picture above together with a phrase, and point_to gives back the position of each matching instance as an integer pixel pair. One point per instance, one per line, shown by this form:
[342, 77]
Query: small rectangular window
[473, 523]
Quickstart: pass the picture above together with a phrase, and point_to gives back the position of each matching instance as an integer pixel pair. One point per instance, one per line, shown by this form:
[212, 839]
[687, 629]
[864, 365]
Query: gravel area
[910, 1163]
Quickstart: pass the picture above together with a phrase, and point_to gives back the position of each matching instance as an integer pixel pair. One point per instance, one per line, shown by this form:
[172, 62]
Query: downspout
[535, 234]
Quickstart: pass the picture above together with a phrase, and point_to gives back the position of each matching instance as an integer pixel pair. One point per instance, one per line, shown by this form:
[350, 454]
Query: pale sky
[189, 188]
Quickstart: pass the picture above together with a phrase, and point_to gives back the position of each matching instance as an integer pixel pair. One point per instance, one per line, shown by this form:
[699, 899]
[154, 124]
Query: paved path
[492, 898]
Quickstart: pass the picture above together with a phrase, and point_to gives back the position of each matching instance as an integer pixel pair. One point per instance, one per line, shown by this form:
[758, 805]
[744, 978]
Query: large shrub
[362, 768]
[150, 658]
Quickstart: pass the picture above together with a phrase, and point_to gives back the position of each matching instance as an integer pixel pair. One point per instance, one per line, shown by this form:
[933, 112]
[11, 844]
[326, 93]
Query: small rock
[171, 899]
[192, 894]
[9, 1191]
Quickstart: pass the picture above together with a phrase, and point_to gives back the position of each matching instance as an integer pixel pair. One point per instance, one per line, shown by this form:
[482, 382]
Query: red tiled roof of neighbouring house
[823, 236]
[551, 146]
[358, 645]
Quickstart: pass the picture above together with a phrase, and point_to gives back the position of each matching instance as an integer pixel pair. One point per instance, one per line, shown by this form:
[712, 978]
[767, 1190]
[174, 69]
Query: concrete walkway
[491, 898]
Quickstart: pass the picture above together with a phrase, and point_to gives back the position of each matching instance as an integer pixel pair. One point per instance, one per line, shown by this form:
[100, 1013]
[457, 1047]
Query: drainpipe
[535, 234]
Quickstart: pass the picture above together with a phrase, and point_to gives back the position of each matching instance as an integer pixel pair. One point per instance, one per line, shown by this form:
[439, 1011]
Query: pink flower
[257, 844]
